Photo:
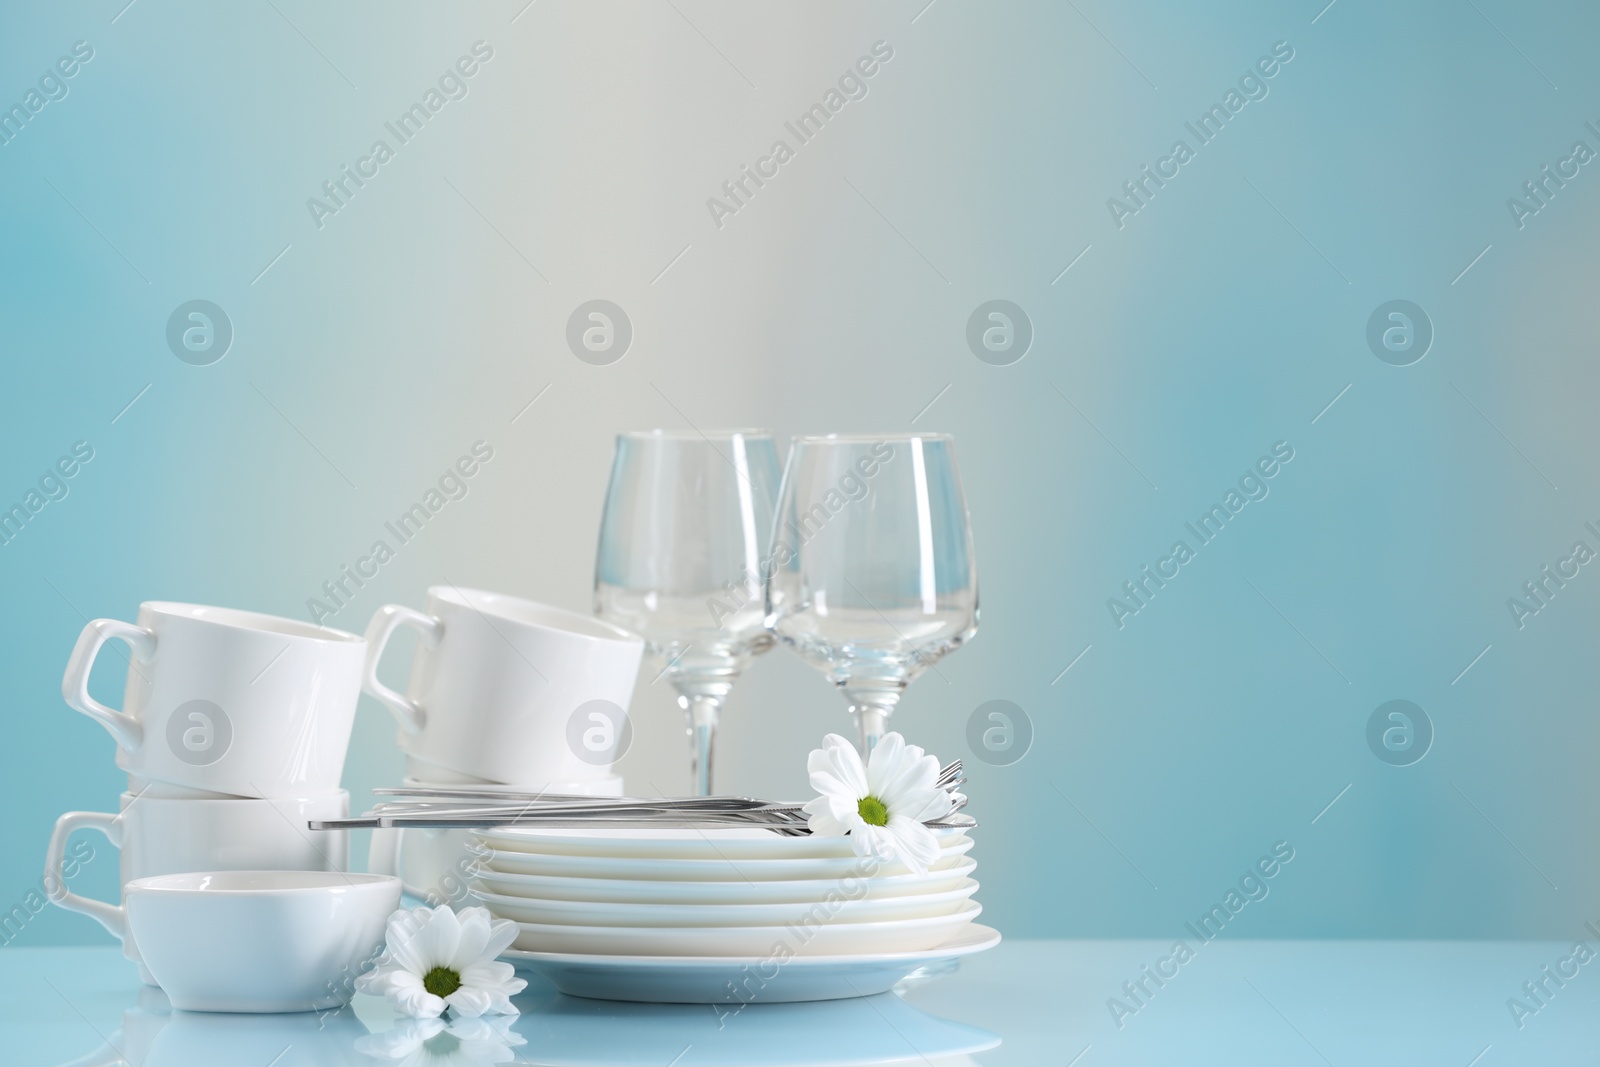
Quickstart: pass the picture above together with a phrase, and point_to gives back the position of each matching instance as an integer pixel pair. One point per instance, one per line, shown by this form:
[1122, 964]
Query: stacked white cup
[505, 695]
[233, 732]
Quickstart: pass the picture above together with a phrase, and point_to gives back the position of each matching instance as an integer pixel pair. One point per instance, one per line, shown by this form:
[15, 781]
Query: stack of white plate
[722, 915]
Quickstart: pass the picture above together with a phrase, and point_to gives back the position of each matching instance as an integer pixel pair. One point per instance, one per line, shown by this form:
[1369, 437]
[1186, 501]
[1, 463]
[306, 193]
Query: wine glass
[686, 518]
[872, 576]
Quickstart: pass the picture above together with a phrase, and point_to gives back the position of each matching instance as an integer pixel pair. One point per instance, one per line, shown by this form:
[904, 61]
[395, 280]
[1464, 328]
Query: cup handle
[382, 627]
[75, 683]
[111, 916]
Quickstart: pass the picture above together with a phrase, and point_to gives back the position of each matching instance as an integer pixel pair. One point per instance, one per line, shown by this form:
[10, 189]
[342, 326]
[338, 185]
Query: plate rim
[840, 864]
[990, 938]
[943, 894]
[965, 859]
[762, 844]
[969, 907]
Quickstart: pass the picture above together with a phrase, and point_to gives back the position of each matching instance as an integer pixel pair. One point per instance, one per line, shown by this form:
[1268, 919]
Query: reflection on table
[553, 1030]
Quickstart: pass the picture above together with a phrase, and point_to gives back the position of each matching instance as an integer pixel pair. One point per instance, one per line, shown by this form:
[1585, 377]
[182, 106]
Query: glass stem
[703, 712]
[873, 722]
[700, 695]
[872, 702]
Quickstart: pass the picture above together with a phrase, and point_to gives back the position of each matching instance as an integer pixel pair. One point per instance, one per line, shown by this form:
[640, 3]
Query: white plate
[641, 891]
[820, 935]
[704, 870]
[741, 843]
[739, 979]
[849, 910]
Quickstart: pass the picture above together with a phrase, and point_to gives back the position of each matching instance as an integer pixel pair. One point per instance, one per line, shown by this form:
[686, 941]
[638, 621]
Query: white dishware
[149, 787]
[504, 689]
[157, 836]
[260, 941]
[646, 891]
[687, 517]
[758, 978]
[872, 587]
[434, 863]
[818, 934]
[420, 772]
[849, 909]
[731, 844]
[707, 870]
[226, 701]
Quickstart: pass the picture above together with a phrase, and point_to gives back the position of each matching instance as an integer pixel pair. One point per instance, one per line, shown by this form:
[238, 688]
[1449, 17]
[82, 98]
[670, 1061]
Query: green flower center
[873, 812]
[441, 981]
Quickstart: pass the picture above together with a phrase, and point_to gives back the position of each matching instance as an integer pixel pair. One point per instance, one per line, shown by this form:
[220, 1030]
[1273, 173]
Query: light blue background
[1221, 319]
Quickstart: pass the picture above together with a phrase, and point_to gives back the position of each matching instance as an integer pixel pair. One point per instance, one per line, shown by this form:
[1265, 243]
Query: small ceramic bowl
[260, 941]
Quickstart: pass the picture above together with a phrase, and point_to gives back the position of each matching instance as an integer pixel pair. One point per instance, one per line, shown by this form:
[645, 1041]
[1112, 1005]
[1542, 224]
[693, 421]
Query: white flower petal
[831, 818]
[876, 841]
[915, 844]
[839, 765]
[416, 1002]
[401, 937]
[501, 933]
[474, 937]
[379, 982]
[468, 1001]
[493, 974]
[884, 765]
[921, 805]
[918, 777]
[437, 942]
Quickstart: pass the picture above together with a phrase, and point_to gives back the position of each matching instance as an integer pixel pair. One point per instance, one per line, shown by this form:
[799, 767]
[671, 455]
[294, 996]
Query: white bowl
[738, 869]
[818, 934]
[642, 891]
[259, 941]
[851, 909]
[729, 843]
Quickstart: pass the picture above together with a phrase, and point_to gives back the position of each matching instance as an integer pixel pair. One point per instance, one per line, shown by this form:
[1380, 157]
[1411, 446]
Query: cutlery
[950, 778]
[468, 808]
[789, 820]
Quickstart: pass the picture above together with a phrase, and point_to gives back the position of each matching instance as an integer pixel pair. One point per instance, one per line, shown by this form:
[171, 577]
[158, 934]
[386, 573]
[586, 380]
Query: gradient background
[1221, 319]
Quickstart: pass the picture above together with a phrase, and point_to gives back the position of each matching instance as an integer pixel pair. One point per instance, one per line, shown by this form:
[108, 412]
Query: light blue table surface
[1026, 1002]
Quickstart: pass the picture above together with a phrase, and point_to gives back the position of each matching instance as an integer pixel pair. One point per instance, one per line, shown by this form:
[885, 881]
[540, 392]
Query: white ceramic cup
[496, 682]
[260, 941]
[157, 835]
[148, 787]
[433, 862]
[421, 772]
[226, 701]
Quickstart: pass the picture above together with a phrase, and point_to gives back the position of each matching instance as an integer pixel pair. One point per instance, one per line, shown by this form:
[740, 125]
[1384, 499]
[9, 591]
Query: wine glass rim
[868, 438]
[692, 435]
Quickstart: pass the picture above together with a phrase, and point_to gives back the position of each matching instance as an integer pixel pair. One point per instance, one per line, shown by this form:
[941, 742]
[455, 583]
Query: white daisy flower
[436, 1043]
[882, 805]
[436, 959]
